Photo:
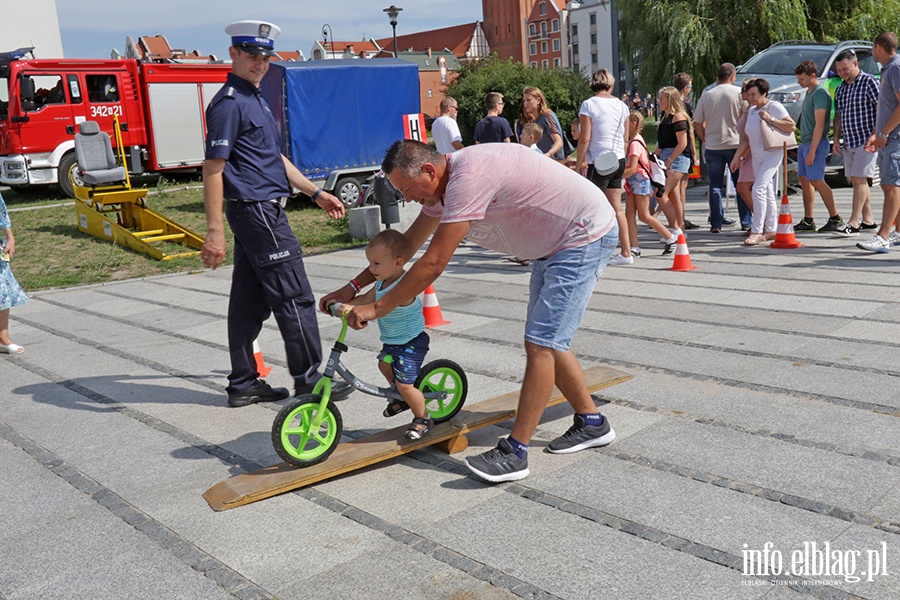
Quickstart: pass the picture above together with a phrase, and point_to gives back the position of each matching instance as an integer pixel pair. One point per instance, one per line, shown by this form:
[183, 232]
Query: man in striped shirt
[855, 104]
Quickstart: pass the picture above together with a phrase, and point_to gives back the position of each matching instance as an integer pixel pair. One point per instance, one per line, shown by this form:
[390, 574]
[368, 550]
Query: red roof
[289, 55]
[456, 39]
[157, 48]
[358, 47]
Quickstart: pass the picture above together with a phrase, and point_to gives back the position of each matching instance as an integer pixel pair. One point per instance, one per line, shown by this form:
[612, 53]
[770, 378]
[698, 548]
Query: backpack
[657, 170]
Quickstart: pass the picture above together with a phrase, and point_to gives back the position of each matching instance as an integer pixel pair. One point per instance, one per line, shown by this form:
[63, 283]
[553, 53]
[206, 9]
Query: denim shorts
[682, 164]
[889, 162]
[640, 185]
[815, 171]
[560, 289]
[406, 359]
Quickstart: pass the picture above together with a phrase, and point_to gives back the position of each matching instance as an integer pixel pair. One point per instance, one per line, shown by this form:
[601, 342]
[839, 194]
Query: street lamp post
[392, 12]
[326, 29]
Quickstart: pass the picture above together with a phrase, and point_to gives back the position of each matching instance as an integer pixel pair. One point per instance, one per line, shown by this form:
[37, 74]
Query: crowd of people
[731, 128]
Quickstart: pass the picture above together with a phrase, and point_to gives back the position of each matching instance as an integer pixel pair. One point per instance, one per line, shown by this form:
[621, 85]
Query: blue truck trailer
[337, 117]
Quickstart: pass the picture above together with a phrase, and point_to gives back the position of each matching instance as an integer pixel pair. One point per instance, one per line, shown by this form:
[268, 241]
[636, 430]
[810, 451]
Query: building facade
[546, 35]
[504, 27]
[595, 36]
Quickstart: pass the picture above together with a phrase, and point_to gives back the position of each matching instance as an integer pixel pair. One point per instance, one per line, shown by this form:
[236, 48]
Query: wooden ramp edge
[361, 452]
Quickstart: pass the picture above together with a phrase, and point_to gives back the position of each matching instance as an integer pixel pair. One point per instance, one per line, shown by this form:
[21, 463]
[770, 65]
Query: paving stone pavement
[761, 425]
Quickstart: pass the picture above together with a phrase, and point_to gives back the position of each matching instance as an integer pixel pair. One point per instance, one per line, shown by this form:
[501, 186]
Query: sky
[93, 28]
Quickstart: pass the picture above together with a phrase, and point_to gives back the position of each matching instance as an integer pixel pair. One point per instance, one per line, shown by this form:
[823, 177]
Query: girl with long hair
[673, 146]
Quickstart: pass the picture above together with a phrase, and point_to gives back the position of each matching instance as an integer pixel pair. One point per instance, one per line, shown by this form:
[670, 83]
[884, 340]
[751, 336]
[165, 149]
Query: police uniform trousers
[269, 278]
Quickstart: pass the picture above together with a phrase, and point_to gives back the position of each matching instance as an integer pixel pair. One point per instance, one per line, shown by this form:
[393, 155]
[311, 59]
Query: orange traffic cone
[432, 310]
[260, 363]
[682, 256]
[784, 235]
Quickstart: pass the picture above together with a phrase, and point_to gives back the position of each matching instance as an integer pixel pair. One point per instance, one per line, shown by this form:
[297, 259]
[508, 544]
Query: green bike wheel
[443, 376]
[290, 431]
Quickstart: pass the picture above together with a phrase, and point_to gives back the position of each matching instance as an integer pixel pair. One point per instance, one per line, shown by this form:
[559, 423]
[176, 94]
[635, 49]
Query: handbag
[606, 163]
[774, 138]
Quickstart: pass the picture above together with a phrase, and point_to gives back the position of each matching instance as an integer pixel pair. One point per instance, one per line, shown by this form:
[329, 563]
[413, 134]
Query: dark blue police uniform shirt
[241, 129]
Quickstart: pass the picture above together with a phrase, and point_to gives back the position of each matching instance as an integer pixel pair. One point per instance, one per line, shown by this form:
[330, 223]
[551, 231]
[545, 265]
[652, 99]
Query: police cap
[254, 37]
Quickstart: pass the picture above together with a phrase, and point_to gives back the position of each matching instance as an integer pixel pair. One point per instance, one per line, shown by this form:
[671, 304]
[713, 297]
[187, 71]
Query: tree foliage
[565, 91]
[696, 37]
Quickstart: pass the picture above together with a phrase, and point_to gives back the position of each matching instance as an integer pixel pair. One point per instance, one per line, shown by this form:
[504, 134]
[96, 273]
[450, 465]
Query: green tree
[565, 91]
[696, 37]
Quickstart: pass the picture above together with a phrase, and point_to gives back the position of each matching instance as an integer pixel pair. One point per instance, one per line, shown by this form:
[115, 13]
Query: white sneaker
[618, 259]
[894, 238]
[875, 244]
[675, 232]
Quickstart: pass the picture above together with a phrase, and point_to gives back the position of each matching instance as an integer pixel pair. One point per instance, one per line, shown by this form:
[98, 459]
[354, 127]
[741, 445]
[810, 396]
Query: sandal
[395, 407]
[418, 428]
[11, 349]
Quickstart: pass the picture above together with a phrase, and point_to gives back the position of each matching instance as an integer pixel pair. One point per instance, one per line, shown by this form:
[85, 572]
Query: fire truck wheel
[66, 164]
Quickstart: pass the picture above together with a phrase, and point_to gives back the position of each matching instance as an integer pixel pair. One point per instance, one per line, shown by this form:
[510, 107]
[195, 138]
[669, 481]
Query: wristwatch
[882, 135]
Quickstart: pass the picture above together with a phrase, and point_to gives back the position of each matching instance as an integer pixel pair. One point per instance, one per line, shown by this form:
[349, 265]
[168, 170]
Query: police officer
[245, 170]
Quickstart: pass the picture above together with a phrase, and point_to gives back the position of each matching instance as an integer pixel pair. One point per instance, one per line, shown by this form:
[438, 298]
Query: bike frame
[335, 365]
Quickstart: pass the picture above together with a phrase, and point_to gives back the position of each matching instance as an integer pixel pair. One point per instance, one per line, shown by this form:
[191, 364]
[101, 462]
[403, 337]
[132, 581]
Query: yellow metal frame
[118, 213]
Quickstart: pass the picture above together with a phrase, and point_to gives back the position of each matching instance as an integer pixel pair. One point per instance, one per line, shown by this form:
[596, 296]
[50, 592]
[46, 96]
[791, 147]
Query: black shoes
[339, 389]
[805, 225]
[263, 392]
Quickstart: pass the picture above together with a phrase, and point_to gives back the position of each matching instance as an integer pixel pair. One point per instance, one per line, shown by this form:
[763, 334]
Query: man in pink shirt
[509, 199]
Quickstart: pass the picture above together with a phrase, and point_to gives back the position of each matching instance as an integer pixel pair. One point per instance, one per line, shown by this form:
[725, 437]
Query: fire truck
[160, 107]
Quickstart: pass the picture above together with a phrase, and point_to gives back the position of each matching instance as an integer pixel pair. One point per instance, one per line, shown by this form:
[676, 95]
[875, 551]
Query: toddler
[402, 331]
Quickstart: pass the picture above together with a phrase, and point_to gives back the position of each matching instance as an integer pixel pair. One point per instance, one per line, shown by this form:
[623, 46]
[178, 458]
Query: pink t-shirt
[520, 203]
[638, 147]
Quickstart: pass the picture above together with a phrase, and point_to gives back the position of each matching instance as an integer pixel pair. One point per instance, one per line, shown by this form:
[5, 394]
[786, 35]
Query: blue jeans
[716, 163]
[560, 289]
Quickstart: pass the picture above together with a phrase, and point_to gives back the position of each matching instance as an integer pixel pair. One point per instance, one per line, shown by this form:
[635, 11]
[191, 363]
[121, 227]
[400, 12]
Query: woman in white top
[765, 162]
[602, 120]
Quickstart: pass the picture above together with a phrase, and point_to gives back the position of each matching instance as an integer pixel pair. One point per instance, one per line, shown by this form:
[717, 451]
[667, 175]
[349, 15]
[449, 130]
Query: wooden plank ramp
[365, 451]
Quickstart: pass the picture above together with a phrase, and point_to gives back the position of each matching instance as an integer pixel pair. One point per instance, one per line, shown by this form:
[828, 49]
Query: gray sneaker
[833, 225]
[894, 238]
[499, 464]
[875, 244]
[581, 436]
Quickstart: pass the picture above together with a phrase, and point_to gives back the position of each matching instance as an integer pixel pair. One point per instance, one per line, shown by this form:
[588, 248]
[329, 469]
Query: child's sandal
[418, 428]
[395, 407]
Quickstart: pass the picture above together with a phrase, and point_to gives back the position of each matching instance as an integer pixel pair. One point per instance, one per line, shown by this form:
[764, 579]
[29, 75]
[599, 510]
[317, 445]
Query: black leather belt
[282, 202]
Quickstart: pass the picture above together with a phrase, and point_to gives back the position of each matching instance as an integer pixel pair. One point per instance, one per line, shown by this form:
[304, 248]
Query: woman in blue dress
[11, 293]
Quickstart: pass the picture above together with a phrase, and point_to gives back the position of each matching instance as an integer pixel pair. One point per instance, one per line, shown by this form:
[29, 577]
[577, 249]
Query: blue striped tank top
[403, 323]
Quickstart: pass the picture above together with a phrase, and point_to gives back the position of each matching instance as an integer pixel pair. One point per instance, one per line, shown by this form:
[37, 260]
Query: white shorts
[858, 162]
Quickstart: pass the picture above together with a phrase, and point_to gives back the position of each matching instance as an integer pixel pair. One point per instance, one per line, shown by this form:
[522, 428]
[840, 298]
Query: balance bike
[308, 429]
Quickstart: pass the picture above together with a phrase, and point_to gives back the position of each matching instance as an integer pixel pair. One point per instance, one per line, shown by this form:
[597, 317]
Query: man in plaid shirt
[855, 104]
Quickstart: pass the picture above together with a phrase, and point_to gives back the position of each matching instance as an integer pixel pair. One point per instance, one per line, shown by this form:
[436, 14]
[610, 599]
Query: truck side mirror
[26, 92]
